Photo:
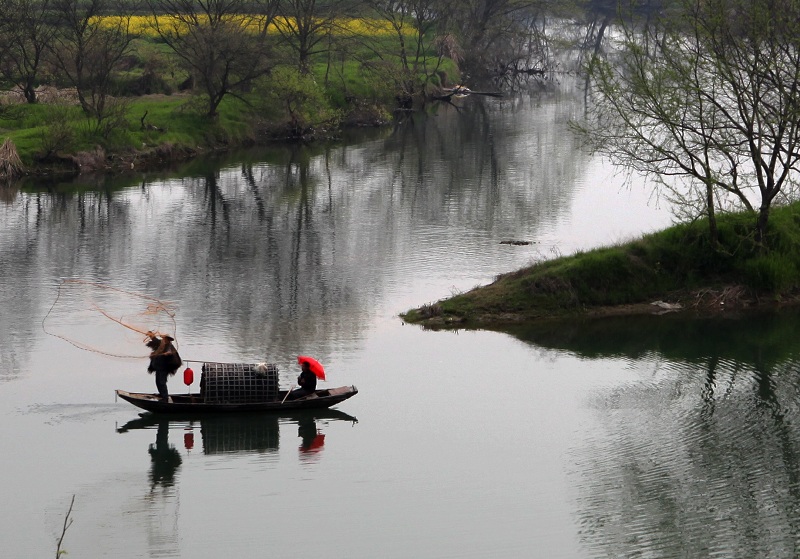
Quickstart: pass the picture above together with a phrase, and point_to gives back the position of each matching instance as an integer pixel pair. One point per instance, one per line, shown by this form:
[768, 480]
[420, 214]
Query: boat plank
[193, 403]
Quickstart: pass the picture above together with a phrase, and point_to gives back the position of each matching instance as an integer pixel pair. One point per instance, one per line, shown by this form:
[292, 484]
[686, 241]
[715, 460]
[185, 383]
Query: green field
[358, 79]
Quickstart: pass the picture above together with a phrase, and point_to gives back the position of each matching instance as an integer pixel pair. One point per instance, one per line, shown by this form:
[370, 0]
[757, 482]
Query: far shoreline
[676, 270]
[206, 136]
[689, 305]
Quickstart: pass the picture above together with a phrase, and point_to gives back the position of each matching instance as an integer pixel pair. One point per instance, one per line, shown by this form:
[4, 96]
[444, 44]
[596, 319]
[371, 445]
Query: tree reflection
[699, 457]
[294, 246]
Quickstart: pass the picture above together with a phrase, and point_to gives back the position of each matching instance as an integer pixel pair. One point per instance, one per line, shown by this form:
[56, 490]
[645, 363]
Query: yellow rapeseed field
[146, 25]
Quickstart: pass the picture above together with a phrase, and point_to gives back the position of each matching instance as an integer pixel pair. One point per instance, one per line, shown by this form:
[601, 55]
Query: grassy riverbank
[151, 129]
[151, 115]
[676, 267]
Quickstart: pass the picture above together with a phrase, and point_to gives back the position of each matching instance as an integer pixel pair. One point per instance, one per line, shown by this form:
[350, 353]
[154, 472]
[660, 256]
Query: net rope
[77, 316]
[76, 322]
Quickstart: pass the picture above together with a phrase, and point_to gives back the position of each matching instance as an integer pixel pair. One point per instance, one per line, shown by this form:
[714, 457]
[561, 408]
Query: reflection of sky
[676, 468]
[314, 246]
[605, 211]
[315, 252]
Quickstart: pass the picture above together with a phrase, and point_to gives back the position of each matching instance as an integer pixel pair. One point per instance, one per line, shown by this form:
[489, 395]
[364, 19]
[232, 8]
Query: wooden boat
[195, 403]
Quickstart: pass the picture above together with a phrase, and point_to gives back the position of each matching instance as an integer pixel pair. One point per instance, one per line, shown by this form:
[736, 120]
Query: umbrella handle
[287, 393]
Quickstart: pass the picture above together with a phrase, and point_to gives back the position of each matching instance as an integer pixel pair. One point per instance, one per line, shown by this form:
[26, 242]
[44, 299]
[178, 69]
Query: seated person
[307, 383]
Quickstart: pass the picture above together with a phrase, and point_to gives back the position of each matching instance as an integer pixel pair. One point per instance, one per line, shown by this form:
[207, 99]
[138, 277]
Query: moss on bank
[152, 130]
[54, 136]
[674, 268]
[132, 116]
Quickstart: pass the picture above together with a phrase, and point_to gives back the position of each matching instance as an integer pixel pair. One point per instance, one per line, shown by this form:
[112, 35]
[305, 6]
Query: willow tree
[705, 101]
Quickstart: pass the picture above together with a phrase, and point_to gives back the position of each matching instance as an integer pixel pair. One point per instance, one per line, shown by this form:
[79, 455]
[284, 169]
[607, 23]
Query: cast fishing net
[108, 320]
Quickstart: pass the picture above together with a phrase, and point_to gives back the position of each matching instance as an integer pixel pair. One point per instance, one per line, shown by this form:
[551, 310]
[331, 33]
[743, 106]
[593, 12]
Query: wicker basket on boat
[239, 383]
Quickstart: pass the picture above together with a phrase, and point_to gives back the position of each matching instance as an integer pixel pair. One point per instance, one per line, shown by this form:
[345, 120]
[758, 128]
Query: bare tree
[500, 36]
[306, 26]
[708, 96]
[26, 32]
[223, 43]
[88, 49]
[422, 43]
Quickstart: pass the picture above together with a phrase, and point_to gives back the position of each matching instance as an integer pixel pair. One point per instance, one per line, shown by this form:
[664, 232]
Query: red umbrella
[315, 366]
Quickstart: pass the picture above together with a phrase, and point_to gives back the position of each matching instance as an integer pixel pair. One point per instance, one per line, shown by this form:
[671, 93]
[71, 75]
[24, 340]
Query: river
[631, 437]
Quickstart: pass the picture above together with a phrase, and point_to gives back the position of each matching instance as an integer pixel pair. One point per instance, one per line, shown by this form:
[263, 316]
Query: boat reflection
[226, 434]
[312, 440]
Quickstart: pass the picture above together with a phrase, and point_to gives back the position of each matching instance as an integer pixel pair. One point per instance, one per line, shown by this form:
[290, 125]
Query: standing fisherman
[164, 361]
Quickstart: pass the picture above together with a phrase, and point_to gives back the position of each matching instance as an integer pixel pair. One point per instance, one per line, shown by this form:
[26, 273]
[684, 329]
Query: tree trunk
[29, 91]
[213, 104]
[761, 226]
[713, 233]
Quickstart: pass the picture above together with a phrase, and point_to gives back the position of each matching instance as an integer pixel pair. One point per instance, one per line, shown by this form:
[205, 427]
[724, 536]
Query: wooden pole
[287, 393]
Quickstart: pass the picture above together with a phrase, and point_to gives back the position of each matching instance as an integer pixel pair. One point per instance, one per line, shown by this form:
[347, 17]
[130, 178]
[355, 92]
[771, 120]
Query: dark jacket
[166, 360]
[308, 381]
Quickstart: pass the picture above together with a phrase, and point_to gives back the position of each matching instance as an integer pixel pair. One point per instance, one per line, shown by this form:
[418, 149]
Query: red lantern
[188, 376]
[188, 439]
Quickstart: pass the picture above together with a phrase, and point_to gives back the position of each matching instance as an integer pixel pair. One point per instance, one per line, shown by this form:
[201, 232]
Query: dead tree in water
[460, 91]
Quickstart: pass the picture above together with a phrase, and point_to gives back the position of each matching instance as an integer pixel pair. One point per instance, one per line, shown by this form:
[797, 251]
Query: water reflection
[296, 245]
[312, 439]
[759, 339]
[283, 251]
[229, 434]
[165, 458]
[698, 454]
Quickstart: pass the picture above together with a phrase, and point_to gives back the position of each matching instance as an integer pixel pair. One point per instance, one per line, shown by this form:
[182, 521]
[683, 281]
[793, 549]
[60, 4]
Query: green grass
[38, 123]
[372, 81]
[361, 83]
[675, 264]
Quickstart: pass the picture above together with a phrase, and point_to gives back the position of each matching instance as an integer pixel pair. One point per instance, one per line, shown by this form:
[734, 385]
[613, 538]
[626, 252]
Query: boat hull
[193, 403]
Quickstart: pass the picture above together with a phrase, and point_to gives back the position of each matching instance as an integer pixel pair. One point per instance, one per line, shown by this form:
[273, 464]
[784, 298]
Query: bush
[770, 273]
[295, 102]
[58, 134]
[148, 83]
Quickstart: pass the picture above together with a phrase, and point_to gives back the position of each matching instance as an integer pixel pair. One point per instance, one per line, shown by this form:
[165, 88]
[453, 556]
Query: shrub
[295, 102]
[770, 273]
[58, 134]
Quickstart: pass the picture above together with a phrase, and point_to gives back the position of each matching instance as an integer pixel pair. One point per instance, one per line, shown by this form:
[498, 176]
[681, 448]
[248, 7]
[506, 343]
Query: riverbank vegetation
[702, 99]
[129, 83]
[679, 268]
[705, 93]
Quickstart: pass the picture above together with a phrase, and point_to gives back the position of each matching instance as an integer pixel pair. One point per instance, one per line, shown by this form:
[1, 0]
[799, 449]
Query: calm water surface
[646, 437]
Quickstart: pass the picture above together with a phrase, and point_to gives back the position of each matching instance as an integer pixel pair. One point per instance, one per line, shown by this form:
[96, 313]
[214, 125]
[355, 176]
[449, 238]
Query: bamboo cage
[239, 383]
